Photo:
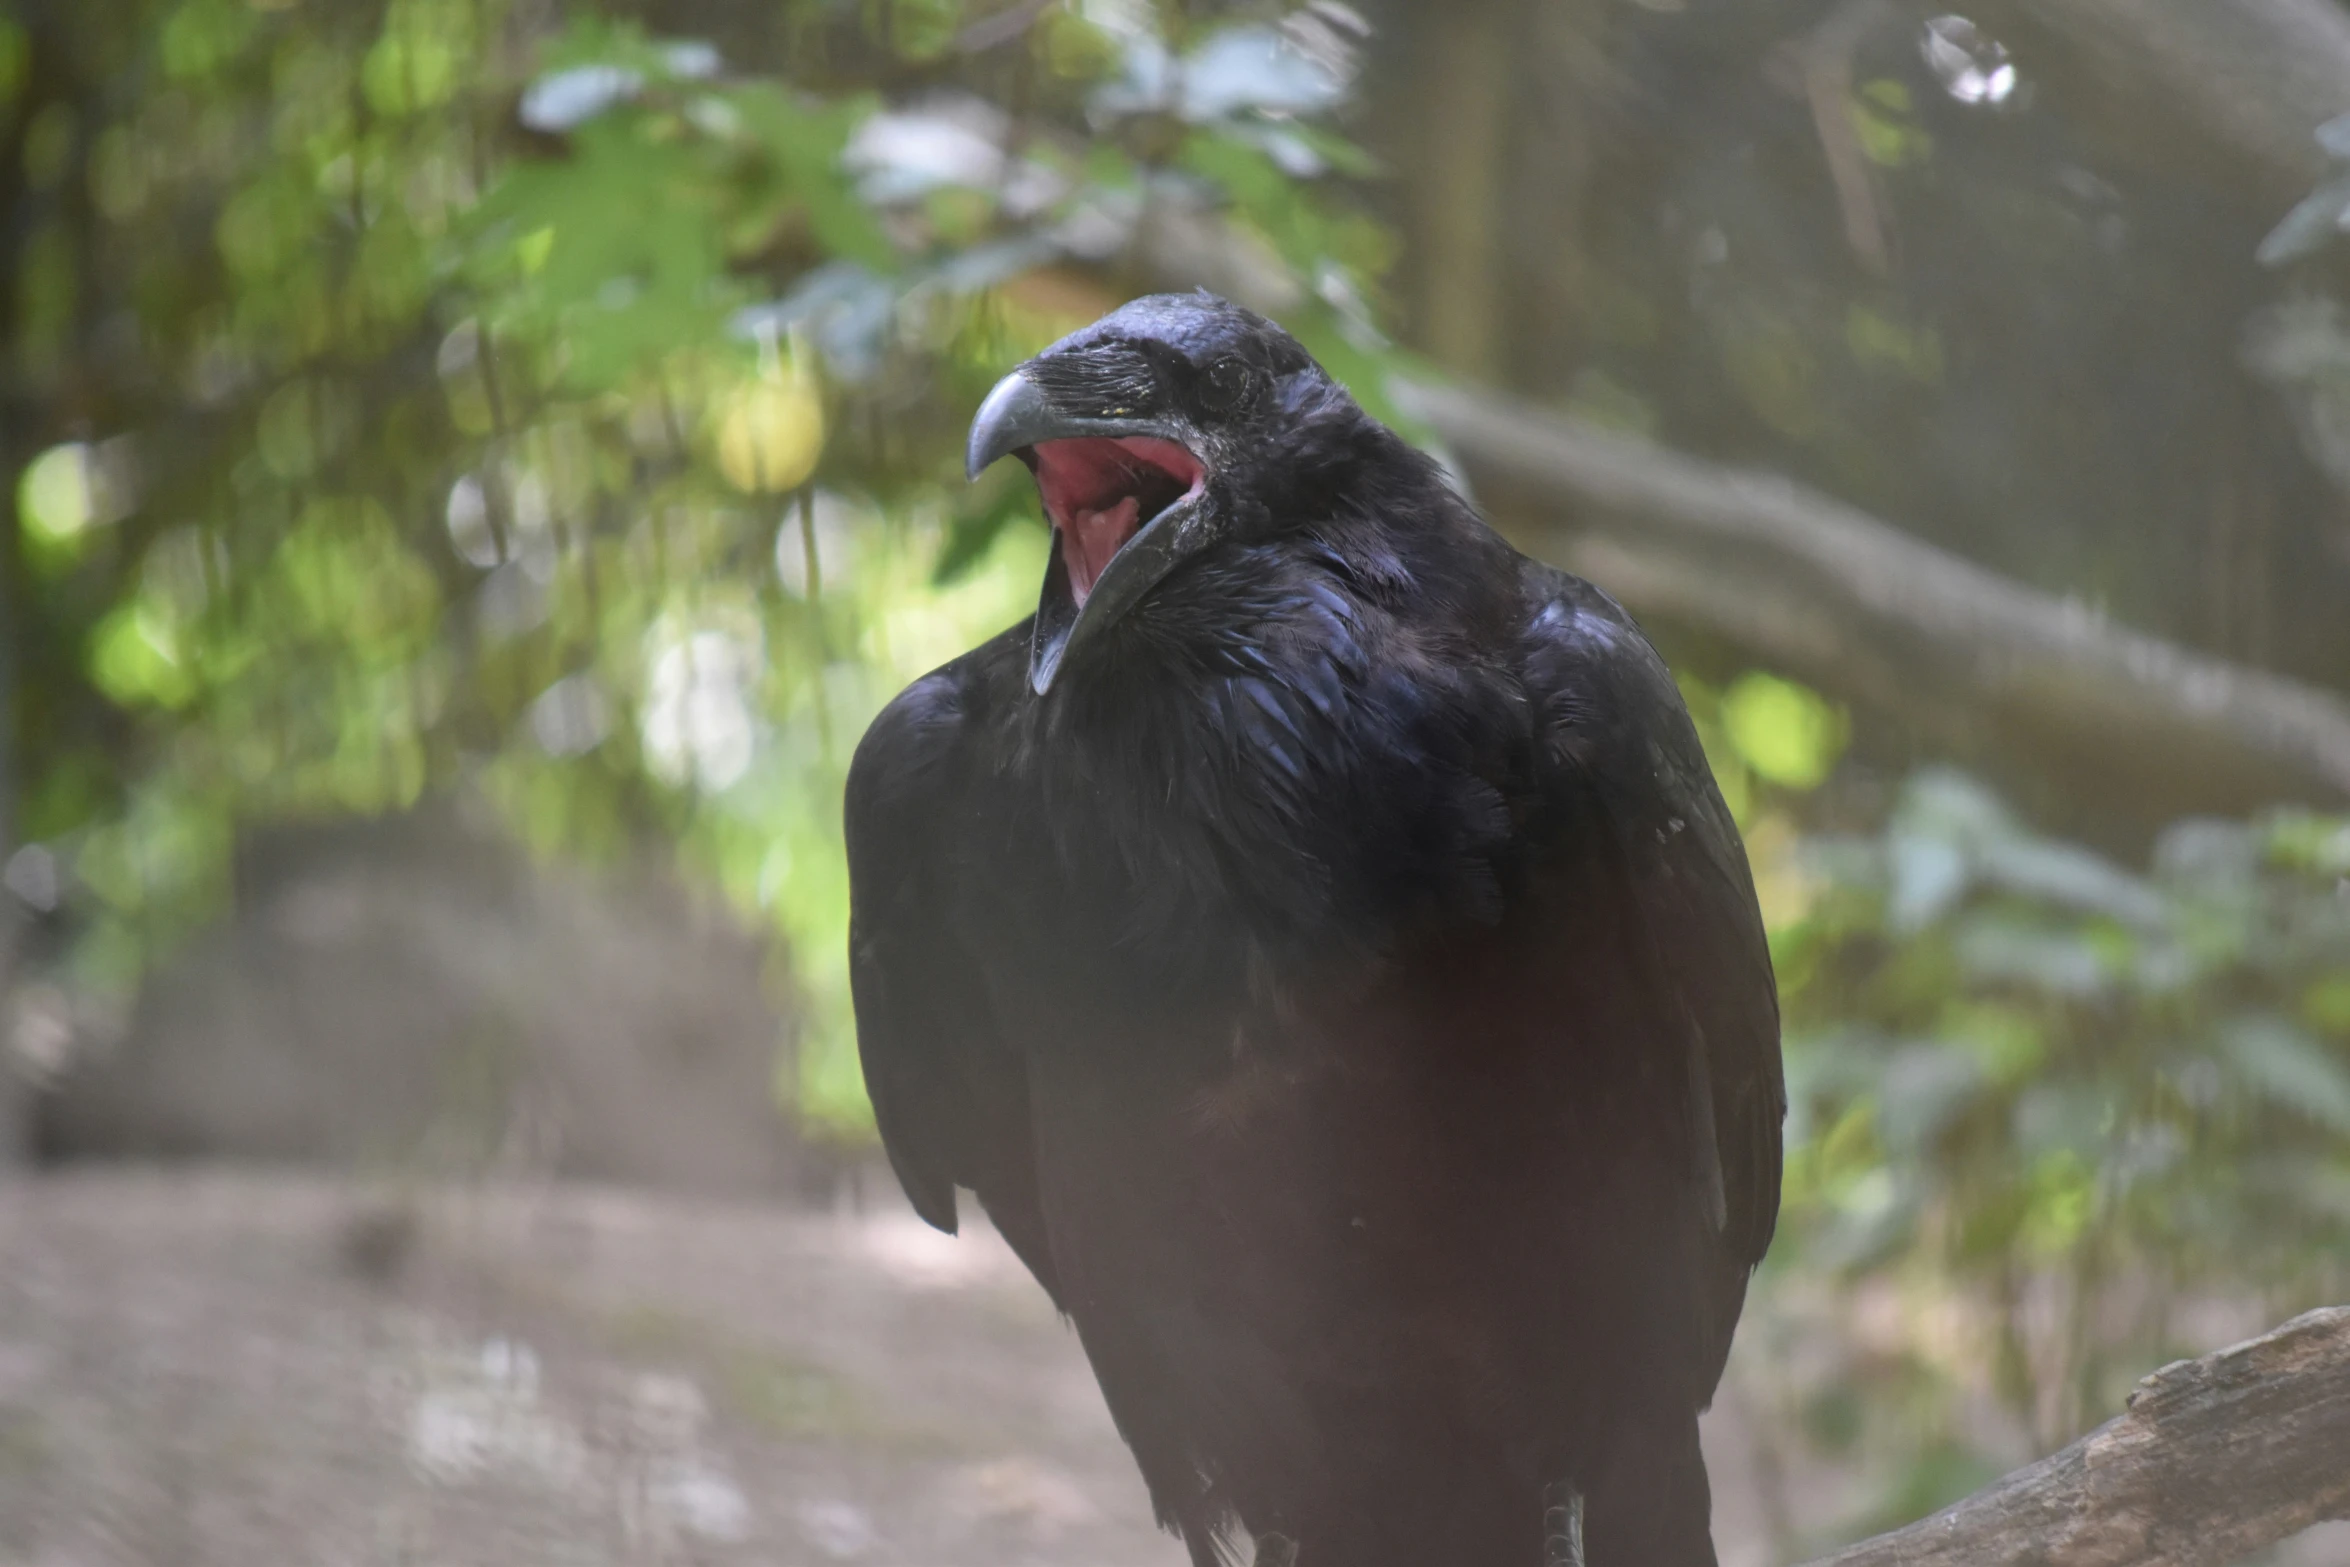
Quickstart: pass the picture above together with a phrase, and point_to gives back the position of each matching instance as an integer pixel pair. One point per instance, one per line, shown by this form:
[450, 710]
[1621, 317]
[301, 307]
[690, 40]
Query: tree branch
[1853, 604]
[2214, 1459]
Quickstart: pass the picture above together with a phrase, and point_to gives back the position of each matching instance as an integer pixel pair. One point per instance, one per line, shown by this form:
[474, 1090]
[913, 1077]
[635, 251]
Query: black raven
[1318, 941]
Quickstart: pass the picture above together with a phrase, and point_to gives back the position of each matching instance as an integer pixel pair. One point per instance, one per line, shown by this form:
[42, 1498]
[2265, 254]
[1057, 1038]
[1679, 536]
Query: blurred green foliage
[521, 401]
[2043, 1107]
[2083, 1097]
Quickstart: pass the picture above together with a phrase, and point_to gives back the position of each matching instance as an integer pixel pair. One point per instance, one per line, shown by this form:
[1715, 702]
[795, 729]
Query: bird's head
[1135, 428]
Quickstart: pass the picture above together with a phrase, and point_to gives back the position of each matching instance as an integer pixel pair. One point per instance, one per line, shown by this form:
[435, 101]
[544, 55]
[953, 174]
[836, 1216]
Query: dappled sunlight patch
[819, 540]
[698, 722]
[1785, 883]
[1972, 66]
[924, 625]
[481, 1414]
[671, 1487]
[770, 429]
[913, 1254]
[1034, 1497]
[841, 1530]
[68, 492]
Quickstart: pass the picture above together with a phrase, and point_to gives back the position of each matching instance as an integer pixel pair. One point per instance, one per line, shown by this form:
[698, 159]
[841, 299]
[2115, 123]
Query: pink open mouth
[1101, 491]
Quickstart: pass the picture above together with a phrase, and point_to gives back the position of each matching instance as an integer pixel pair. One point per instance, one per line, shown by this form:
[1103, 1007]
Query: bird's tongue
[1100, 491]
[1090, 538]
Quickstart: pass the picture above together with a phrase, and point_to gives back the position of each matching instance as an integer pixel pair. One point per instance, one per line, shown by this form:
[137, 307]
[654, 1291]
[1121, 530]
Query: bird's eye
[1225, 386]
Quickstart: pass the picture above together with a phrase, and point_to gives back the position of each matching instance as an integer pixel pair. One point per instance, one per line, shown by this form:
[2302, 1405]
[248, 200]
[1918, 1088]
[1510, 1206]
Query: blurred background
[470, 469]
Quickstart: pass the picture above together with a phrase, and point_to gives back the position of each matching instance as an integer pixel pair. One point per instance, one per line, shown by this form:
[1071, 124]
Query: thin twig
[812, 569]
[1827, 57]
[991, 32]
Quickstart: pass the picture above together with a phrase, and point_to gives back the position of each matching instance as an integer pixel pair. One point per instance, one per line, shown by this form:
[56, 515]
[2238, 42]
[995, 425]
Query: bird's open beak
[1124, 499]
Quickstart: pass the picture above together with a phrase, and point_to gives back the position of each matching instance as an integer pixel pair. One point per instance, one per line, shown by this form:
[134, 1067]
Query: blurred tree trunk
[20, 422]
[1451, 180]
[2241, 82]
[1488, 111]
[12, 1088]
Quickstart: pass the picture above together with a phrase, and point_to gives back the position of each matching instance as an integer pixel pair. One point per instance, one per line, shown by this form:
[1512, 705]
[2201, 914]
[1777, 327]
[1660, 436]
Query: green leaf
[2071, 877]
[2326, 1003]
[136, 658]
[16, 53]
[2024, 950]
[1788, 733]
[1927, 878]
[1925, 1088]
[418, 62]
[2309, 842]
[202, 36]
[805, 143]
[2278, 1060]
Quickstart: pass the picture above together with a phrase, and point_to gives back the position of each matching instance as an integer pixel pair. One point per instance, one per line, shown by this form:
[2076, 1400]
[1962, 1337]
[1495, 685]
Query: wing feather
[1615, 721]
[949, 1097]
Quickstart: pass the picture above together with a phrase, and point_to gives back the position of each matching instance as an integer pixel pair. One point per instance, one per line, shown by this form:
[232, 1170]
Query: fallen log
[2214, 1459]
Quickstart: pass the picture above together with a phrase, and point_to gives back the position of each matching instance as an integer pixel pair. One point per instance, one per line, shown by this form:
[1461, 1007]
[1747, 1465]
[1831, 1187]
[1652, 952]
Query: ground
[224, 1370]
[209, 1368]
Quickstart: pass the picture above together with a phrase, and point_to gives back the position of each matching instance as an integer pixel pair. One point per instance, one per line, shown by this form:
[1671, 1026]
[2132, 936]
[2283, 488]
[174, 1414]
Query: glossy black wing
[1621, 737]
[950, 1100]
